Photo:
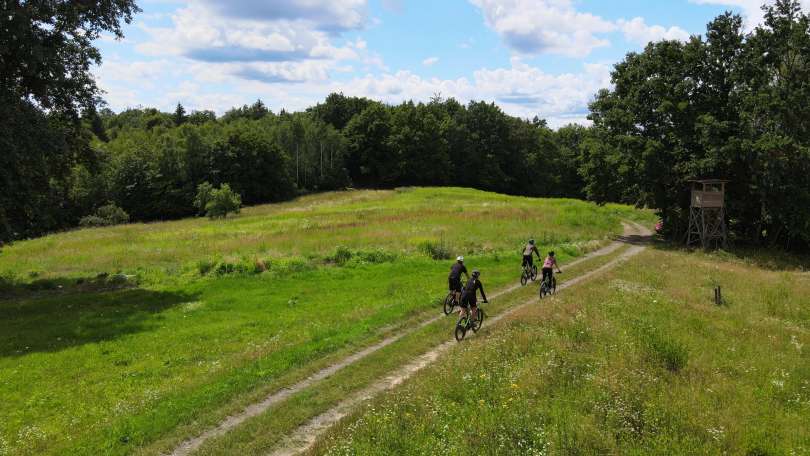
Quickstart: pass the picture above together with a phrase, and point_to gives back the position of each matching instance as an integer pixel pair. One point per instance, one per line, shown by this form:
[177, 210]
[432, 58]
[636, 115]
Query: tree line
[729, 104]
[150, 163]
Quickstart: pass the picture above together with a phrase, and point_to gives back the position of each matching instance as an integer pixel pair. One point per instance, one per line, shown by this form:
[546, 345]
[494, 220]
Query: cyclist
[454, 279]
[548, 267]
[468, 295]
[530, 249]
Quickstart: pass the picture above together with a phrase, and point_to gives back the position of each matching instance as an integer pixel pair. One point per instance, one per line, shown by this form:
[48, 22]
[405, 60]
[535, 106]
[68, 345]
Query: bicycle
[528, 273]
[547, 288]
[450, 303]
[466, 323]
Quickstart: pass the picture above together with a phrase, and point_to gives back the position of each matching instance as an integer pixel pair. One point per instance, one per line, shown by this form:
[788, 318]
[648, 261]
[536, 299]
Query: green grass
[188, 318]
[639, 361]
[467, 221]
[261, 434]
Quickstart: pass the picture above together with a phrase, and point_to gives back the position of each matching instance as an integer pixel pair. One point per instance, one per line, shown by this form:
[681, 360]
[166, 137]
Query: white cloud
[329, 15]
[545, 26]
[519, 89]
[292, 42]
[556, 27]
[751, 9]
[214, 59]
[637, 31]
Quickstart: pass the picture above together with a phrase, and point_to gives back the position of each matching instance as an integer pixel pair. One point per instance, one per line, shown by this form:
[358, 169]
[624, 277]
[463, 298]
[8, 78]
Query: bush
[342, 255]
[435, 250]
[204, 193]
[205, 266]
[106, 215]
[223, 201]
[375, 256]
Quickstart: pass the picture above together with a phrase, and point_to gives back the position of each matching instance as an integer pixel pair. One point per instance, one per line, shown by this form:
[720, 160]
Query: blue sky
[532, 57]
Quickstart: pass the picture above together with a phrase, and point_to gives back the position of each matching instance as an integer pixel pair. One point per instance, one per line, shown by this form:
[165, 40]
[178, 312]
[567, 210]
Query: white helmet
[460, 258]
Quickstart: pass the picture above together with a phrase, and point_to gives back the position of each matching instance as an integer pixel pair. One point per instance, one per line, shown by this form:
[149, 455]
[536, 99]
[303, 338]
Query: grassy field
[112, 339]
[639, 361]
[262, 434]
[399, 221]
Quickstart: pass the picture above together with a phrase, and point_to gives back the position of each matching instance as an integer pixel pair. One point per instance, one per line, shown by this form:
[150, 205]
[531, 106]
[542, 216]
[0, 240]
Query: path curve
[306, 435]
[255, 409]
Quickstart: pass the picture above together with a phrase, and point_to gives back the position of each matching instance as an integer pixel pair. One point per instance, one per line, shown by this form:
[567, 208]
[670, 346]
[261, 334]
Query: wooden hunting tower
[707, 214]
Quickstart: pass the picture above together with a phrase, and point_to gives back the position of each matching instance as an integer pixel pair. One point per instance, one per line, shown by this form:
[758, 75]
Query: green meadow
[637, 361]
[114, 338]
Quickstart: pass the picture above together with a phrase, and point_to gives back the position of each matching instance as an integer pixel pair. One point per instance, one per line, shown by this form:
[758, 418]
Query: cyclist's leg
[547, 276]
[462, 307]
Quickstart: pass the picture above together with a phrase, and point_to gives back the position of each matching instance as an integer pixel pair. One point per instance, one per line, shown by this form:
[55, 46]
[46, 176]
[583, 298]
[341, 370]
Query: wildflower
[515, 385]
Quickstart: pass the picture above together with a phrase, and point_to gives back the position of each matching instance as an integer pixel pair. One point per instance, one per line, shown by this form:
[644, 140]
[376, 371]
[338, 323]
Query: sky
[543, 58]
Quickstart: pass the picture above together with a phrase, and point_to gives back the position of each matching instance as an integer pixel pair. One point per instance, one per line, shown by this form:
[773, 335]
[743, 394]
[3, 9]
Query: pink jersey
[550, 262]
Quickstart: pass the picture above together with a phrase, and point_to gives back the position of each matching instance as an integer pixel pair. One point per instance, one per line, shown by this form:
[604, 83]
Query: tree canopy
[730, 105]
[727, 104]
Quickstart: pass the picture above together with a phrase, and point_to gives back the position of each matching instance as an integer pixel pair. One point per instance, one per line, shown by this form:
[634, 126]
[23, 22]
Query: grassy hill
[640, 361]
[113, 338]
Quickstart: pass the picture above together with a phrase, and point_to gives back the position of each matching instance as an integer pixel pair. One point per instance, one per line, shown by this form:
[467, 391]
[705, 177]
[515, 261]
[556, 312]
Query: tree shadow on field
[635, 239]
[37, 322]
[768, 258]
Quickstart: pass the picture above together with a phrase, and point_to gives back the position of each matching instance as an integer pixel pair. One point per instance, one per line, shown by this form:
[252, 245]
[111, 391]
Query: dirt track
[303, 437]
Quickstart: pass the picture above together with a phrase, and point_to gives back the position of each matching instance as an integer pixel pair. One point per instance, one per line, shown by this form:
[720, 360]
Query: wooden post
[718, 296]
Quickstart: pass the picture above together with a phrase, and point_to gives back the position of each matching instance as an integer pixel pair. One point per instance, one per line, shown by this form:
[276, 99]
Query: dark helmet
[531, 241]
[476, 273]
[551, 253]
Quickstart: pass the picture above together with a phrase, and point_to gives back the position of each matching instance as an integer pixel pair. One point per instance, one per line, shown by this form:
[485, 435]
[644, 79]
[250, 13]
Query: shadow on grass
[635, 239]
[768, 258]
[54, 321]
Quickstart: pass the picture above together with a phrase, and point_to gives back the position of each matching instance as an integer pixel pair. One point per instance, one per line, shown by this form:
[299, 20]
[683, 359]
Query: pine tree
[180, 116]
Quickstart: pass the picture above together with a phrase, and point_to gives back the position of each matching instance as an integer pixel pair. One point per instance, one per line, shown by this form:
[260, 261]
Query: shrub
[106, 215]
[375, 256]
[259, 266]
[118, 279]
[223, 201]
[91, 220]
[342, 255]
[204, 193]
[435, 250]
[205, 266]
[225, 267]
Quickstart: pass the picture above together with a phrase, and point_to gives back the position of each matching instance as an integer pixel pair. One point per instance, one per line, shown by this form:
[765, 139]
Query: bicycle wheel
[449, 303]
[461, 329]
[476, 324]
[553, 285]
[524, 278]
[543, 289]
[534, 273]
